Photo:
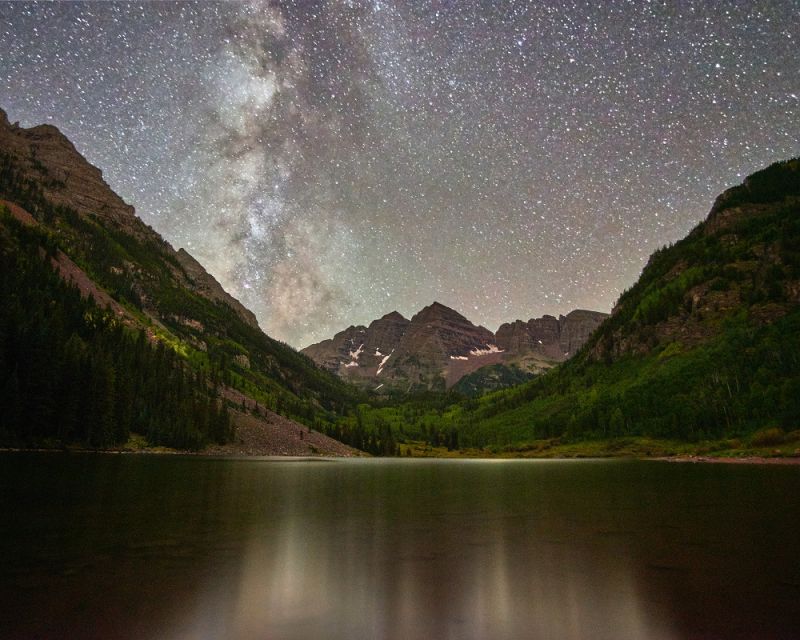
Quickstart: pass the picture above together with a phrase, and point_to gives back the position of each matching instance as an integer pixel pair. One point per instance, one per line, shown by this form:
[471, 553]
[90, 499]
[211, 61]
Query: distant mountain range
[439, 347]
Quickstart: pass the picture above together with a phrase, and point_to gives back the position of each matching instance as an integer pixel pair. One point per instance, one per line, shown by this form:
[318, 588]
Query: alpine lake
[185, 547]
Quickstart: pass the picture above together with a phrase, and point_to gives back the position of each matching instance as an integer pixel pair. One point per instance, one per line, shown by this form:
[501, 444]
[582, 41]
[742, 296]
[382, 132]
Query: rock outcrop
[44, 154]
[206, 285]
[384, 334]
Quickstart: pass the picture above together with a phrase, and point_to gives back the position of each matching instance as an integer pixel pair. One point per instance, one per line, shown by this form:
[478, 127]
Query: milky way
[332, 161]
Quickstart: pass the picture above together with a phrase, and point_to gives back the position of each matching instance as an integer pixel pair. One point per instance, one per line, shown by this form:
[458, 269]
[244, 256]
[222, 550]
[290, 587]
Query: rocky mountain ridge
[551, 337]
[46, 157]
[439, 346]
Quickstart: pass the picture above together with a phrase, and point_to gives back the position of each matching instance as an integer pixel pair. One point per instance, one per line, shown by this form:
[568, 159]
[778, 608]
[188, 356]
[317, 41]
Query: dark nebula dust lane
[332, 161]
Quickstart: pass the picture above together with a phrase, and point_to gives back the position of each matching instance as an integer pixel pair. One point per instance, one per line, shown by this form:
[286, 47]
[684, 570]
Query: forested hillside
[147, 316]
[706, 344]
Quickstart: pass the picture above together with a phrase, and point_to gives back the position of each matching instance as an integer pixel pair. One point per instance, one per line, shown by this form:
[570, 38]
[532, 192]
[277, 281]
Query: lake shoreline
[786, 460]
[218, 453]
[166, 451]
[264, 434]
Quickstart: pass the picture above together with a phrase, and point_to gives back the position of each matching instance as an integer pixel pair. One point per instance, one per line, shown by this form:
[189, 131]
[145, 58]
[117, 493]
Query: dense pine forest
[72, 373]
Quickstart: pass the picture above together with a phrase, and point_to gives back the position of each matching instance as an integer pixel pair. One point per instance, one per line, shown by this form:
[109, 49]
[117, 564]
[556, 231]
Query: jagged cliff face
[439, 346]
[384, 335]
[45, 156]
[552, 338]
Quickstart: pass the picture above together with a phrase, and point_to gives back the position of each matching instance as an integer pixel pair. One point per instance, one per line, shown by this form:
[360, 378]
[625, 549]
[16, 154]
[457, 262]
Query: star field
[330, 162]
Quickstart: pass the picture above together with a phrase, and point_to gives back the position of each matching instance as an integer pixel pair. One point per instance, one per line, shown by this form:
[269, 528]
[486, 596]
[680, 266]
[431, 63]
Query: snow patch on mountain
[383, 362]
[354, 354]
[489, 348]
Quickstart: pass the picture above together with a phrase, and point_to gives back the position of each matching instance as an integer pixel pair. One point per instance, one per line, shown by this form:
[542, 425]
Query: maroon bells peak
[439, 346]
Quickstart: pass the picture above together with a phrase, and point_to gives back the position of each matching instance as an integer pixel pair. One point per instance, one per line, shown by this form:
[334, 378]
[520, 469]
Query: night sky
[330, 162]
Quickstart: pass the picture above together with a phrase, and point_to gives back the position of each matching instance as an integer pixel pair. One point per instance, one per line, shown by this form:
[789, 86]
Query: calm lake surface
[112, 546]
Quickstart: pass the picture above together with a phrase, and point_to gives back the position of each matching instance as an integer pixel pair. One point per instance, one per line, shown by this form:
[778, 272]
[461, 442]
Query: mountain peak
[439, 307]
[53, 133]
[437, 310]
[45, 155]
[395, 316]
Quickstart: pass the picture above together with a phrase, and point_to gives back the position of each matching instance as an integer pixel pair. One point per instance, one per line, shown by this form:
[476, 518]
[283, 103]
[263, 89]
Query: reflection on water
[190, 548]
[365, 565]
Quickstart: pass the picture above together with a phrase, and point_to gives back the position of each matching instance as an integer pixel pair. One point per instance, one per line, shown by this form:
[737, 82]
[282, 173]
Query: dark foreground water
[108, 546]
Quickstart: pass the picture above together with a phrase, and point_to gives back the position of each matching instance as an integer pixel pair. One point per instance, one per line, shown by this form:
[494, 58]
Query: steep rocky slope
[554, 339]
[46, 158]
[43, 154]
